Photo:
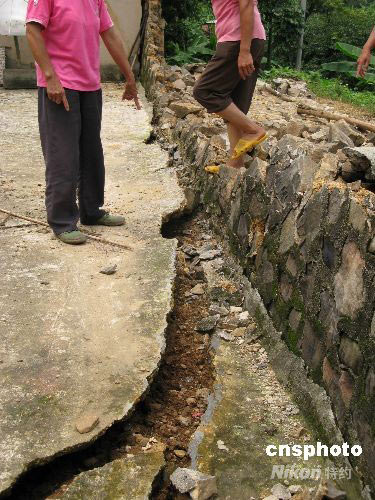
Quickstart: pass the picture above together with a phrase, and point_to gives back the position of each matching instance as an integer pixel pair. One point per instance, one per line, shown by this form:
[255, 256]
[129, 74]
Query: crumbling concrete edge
[159, 337]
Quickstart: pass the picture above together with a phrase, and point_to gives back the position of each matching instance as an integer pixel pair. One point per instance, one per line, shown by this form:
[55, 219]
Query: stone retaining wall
[303, 234]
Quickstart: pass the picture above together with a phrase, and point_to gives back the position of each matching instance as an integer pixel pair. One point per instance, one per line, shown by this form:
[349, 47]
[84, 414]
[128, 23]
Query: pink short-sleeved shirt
[72, 35]
[228, 22]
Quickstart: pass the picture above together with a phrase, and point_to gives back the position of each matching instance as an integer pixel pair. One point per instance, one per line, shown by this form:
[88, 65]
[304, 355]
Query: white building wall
[126, 15]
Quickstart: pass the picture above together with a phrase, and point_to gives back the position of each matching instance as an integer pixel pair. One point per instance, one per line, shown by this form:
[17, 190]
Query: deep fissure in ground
[174, 404]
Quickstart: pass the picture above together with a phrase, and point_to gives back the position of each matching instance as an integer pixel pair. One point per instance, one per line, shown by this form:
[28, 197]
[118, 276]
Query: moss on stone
[318, 328]
[297, 301]
[292, 338]
[282, 309]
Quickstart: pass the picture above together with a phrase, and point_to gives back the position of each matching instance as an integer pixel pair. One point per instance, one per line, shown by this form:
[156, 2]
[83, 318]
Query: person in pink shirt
[227, 85]
[64, 36]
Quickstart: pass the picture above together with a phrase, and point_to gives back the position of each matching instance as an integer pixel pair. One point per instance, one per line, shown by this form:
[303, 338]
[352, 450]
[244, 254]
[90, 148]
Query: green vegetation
[349, 68]
[283, 22]
[324, 29]
[186, 42]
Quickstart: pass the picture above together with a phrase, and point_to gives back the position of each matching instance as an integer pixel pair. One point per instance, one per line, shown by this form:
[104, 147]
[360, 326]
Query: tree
[180, 15]
[283, 22]
[302, 37]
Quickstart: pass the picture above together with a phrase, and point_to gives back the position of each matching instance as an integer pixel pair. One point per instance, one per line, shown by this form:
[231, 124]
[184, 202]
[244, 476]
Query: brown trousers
[221, 84]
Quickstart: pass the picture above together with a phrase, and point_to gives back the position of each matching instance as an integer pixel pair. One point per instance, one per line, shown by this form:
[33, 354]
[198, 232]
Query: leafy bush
[348, 69]
[283, 22]
[323, 31]
[185, 40]
[199, 50]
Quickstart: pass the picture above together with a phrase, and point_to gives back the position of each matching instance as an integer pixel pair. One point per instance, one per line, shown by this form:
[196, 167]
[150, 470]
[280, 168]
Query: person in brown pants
[227, 85]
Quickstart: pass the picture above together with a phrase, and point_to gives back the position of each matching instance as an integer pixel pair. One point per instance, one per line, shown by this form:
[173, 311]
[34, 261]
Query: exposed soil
[174, 405]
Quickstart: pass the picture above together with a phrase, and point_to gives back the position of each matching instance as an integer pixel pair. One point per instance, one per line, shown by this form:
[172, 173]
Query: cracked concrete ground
[249, 410]
[132, 477]
[75, 342]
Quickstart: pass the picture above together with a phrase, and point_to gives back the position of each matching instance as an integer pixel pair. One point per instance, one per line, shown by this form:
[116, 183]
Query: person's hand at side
[131, 93]
[112, 40]
[245, 59]
[245, 64]
[363, 62]
[365, 58]
[56, 92]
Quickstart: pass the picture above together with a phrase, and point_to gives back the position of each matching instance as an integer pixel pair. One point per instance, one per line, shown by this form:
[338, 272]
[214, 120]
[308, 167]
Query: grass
[327, 88]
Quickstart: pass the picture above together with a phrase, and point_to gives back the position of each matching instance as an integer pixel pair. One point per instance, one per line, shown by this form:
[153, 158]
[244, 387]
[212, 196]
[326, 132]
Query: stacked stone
[2, 64]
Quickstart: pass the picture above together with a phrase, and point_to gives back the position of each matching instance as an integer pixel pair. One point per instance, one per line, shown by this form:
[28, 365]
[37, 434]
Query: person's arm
[245, 59]
[55, 90]
[364, 59]
[112, 40]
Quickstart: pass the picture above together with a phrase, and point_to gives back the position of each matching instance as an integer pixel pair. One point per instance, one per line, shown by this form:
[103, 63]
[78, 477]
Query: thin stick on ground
[304, 110]
[274, 92]
[44, 224]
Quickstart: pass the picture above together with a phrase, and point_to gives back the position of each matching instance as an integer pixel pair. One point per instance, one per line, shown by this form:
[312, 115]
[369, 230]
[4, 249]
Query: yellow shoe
[243, 146]
[212, 169]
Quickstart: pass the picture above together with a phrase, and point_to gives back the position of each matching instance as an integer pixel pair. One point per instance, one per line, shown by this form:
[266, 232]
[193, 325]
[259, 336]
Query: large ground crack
[176, 400]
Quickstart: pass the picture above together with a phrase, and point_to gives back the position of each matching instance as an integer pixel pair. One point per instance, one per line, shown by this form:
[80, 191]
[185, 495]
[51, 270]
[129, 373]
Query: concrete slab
[77, 343]
[119, 480]
[249, 410]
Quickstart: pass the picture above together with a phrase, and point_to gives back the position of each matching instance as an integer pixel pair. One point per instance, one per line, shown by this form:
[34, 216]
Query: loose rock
[225, 335]
[179, 85]
[371, 247]
[216, 309]
[210, 254]
[207, 324]
[328, 491]
[189, 250]
[336, 134]
[197, 290]
[185, 421]
[239, 332]
[180, 453]
[199, 486]
[183, 109]
[281, 492]
[295, 488]
[244, 318]
[86, 423]
[109, 270]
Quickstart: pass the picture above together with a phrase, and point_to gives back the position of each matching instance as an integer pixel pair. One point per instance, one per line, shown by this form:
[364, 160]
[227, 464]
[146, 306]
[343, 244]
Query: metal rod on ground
[44, 224]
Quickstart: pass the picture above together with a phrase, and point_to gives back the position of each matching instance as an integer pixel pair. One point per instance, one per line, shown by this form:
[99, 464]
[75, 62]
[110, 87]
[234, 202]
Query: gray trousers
[73, 155]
